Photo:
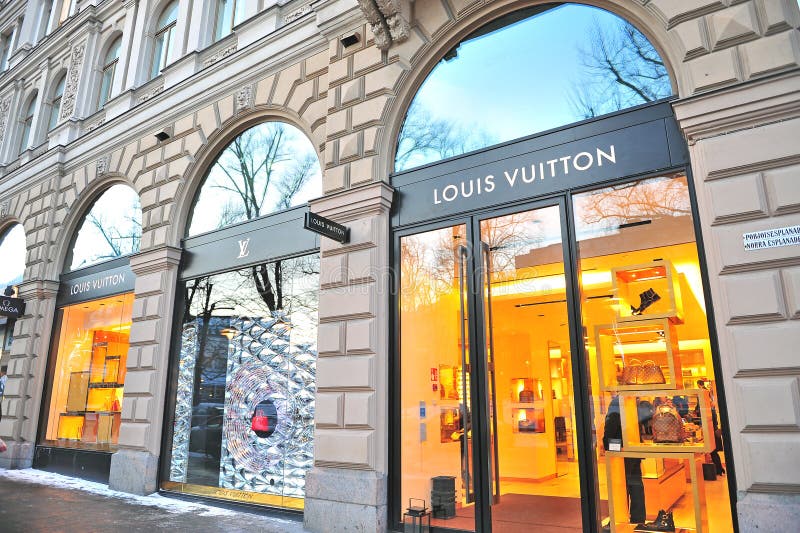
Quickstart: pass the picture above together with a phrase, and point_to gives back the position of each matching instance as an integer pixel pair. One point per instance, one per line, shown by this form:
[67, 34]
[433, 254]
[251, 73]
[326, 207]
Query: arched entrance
[553, 358]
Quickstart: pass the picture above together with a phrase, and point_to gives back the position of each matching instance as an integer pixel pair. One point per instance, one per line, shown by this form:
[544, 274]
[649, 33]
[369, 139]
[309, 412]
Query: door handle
[466, 475]
[488, 328]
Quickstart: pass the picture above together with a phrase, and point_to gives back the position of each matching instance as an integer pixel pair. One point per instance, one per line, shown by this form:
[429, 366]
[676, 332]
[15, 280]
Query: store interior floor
[553, 505]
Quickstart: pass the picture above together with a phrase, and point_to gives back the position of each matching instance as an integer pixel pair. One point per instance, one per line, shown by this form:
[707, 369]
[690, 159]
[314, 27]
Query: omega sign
[527, 175]
[12, 307]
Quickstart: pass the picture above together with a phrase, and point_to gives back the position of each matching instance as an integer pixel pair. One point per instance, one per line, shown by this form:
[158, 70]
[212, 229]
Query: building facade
[225, 351]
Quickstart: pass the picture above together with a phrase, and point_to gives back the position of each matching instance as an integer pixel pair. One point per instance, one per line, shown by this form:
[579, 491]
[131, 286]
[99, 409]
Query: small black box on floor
[443, 496]
[444, 510]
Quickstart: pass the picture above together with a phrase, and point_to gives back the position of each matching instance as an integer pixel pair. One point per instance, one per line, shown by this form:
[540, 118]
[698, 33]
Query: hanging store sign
[96, 285]
[12, 307]
[326, 227]
[772, 238]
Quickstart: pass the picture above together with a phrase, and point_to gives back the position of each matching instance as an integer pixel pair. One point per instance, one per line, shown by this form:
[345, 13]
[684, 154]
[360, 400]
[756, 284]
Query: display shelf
[636, 285]
[526, 390]
[77, 391]
[70, 426]
[672, 482]
[629, 343]
[528, 419]
[634, 421]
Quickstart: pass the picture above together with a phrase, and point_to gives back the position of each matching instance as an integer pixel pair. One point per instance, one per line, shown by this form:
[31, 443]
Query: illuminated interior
[89, 375]
[631, 239]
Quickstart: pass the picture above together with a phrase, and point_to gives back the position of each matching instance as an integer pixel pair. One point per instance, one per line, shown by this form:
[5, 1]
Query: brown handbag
[631, 371]
[650, 372]
[667, 424]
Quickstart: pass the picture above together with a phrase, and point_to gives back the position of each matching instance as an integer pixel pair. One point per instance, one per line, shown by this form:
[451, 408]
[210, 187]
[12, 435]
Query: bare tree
[426, 139]
[121, 239]
[623, 69]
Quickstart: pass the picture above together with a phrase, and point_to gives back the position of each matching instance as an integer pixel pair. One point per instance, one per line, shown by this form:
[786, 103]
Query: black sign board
[96, 285]
[326, 227]
[12, 307]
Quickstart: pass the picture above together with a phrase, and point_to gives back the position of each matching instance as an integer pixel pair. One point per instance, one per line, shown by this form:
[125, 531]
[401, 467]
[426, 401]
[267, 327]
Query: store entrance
[484, 305]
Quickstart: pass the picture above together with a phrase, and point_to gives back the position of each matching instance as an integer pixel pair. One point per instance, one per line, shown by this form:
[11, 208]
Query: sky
[12, 252]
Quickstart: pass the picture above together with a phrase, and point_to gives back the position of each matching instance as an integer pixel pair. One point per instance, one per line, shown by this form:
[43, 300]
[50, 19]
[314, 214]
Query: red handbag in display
[260, 423]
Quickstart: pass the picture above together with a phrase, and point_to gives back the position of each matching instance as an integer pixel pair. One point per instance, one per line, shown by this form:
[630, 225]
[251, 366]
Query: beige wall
[735, 65]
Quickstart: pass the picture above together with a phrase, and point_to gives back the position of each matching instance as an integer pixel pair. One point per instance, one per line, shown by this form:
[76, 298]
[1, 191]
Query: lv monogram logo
[244, 251]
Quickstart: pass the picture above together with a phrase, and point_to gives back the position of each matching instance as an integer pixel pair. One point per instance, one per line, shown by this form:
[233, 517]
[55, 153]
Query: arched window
[524, 74]
[164, 38]
[55, 102]
[109, 68]
[269, 167]
[12, 268]
[26, 121]
[112, 228]
[229, 14]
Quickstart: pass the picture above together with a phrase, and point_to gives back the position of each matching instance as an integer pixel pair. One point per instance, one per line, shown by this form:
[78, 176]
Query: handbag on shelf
[526, 396]
[667, 424]
[650, 373]
[631, 371]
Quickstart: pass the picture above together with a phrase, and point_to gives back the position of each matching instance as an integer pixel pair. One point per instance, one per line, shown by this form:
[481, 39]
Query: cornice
[358, 202]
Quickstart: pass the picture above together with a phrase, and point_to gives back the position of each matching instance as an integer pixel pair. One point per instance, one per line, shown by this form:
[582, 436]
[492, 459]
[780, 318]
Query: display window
[245, 384]
[653, 386]
[85, 405]
[12, 268]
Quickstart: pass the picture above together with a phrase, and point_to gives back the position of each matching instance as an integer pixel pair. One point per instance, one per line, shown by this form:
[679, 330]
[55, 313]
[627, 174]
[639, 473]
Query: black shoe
[663, 522]
[646, 299]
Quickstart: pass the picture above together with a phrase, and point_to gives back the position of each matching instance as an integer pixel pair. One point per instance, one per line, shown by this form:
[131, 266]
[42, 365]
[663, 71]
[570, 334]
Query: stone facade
[736, 75]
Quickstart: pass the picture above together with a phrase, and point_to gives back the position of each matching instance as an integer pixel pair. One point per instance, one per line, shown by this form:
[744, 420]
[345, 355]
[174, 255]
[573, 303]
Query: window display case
[649, 290]
[638, 355]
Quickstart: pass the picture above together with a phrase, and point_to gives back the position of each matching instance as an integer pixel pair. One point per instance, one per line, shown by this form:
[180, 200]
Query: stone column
[346, 489]
[134, 468]
[26, 372]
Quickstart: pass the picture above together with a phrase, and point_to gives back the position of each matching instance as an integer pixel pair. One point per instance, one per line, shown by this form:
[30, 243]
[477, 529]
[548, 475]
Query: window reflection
[524, 74]
[266, 168]
[112, 228]
[244, 416]
[12, 268]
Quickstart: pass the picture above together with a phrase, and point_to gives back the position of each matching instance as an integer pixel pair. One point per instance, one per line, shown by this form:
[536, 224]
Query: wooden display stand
[670, 486]
[657, 335]
[93, 397]
[629, 415]
[630, 282]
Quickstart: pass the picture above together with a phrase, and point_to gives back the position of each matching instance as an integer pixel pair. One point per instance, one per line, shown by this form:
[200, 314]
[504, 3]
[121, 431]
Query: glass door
[529, 403]
[488, 431]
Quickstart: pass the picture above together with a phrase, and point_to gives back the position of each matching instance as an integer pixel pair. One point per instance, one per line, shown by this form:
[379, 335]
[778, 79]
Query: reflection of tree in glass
[120, 239]
[424, 139]
[619, 204]
[508, 237]
[428, 267]
[259, 173]
[623, 70]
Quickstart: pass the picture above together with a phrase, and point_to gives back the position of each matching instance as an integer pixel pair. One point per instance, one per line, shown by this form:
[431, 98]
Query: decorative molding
[377, 23]
[150, 93]
[244, 97]
[297, 13]
[96, 124]
[220, 54]
[102, 165]
[73, 77]
[388, 20]
[4, 107]
[5, 206]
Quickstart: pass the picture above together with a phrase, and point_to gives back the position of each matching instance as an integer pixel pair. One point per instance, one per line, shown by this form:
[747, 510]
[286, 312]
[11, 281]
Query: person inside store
[633, 465]
[3, 378]
[715, 458]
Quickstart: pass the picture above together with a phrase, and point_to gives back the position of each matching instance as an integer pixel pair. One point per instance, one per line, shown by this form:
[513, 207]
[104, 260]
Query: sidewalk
[33, 501]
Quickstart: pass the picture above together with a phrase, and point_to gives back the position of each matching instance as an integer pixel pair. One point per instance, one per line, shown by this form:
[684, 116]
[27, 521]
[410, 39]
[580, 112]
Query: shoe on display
[663, 522]
[646, 299]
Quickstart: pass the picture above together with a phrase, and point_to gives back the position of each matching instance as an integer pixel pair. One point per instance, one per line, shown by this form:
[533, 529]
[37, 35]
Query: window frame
[55, 101]
[165, 35]
[103, 96]
[26, 123]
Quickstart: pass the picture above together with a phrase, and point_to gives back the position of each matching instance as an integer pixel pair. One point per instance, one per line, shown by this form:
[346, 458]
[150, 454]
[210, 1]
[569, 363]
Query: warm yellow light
[228, 333]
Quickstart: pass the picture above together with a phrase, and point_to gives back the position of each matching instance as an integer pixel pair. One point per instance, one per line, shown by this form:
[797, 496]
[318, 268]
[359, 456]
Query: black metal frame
[581, 380]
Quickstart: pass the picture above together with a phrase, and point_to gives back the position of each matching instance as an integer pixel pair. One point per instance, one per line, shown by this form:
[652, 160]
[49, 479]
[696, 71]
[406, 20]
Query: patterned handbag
[667, 424]
[650, 372]
[631, 371]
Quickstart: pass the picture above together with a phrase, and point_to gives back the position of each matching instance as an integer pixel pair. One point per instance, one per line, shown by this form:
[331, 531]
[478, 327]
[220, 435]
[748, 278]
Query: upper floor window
[5, 49]
[109, 68]
[229, 14]
[26, 122]
[164, 38]
[65, 11]
[523, 74]
[112, 228]
[43, 18]
[55, 102]
[267, 168]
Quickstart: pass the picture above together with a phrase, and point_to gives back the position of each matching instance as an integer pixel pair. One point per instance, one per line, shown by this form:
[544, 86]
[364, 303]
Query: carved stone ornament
[150, 93]
[297, 13]
[219, 55]
[102, 165]
[388, 20]
[4, 107]
[5, 205]
[244, 97]
[73, 77]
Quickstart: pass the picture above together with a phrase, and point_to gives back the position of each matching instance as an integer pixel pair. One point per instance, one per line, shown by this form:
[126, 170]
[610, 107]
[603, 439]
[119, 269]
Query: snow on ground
[171, 505]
